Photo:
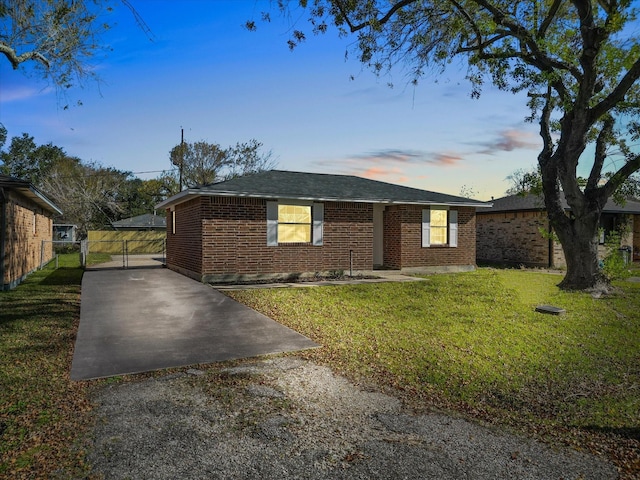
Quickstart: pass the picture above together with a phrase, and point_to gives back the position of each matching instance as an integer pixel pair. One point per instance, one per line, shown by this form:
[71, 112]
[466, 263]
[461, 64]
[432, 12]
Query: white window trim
[317, 221]
[452, 230]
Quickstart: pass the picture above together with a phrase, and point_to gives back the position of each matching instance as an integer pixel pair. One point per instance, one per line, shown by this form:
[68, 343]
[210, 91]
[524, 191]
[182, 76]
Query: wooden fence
[129, 242]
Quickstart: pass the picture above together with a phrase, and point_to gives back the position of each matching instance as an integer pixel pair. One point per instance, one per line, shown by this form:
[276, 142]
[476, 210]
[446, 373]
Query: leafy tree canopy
[57, 38]
[27, 161]
[89, 194]
[202, 163]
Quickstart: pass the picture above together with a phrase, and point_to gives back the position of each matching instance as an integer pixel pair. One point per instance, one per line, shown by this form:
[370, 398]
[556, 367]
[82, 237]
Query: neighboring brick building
[512, 231]
[284, 224]
[26, 220]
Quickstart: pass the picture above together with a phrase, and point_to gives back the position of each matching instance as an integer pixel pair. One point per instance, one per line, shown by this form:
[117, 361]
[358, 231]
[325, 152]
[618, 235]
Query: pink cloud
[395, 166]
[445, 159]
[374, 173]
[509, 140]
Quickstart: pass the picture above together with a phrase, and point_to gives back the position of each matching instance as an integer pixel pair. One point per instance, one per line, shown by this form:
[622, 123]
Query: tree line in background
[202, 163]
[92, 196]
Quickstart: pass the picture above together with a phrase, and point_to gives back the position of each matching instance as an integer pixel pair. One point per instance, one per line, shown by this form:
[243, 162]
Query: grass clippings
[473, 343]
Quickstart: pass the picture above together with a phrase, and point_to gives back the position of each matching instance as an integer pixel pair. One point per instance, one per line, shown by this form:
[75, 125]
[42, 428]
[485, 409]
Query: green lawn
[41, 410]
[473, 342]
[465, 342]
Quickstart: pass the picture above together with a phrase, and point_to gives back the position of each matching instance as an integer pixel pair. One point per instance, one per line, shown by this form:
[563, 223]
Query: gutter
[189, 193]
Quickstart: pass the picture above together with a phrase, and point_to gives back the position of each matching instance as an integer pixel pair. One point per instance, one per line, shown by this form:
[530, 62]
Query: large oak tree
[58, 39]
[578, 61]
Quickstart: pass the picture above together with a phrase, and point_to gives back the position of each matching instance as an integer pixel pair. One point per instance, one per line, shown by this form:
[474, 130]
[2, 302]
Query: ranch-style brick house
[26, 230]
[281, 224]
[510, 231]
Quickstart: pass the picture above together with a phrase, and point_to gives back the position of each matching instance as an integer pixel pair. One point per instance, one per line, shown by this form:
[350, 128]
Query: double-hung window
[294, 222]
[439, 227]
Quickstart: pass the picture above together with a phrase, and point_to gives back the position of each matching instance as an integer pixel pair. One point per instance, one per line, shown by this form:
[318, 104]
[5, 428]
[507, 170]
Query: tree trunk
[579, 239]
[577, 229]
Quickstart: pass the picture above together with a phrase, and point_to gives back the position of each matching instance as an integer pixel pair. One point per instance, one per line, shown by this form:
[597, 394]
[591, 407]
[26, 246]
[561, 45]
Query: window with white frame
[439, 227]
[294, 222]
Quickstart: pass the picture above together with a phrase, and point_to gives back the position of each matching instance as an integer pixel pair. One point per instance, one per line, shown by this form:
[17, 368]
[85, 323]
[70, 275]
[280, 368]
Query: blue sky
[207, 74]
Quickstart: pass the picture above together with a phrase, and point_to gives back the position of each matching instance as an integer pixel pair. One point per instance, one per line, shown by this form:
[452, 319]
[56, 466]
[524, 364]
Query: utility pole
[181, 155]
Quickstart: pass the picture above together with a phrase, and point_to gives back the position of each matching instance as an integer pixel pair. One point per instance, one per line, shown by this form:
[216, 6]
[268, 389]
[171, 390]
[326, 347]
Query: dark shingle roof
[147, 220]
[28, 190]
[516, 203]
[321, 187]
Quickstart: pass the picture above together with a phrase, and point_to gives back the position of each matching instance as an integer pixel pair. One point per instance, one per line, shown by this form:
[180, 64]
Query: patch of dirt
[301, 279]
[285, 418]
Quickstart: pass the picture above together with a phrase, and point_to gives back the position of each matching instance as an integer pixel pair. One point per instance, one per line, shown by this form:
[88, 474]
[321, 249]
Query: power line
[155, 171]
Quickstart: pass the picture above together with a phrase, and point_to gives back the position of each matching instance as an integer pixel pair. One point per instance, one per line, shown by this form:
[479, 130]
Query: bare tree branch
[381, 21]
[549, 18]
[601, 153]
[16, 60]
[618, 178]
[618, 93]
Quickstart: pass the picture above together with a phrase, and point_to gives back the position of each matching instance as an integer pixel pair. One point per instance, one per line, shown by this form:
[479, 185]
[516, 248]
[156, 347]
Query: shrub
[614, 265]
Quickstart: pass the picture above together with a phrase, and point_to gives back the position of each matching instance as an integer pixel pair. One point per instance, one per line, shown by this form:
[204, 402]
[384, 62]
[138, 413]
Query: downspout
[3, 235]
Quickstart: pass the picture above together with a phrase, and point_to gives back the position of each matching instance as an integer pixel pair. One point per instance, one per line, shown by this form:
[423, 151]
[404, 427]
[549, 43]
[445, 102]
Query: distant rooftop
[148, 220]
[530, 202]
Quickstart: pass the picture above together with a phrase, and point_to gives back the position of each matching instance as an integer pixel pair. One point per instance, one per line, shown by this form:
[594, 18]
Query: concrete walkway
[144, 319]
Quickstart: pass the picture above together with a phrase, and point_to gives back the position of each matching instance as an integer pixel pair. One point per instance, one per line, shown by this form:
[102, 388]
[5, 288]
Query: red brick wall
[233, 239]
[392, 243]
[227, 236]
[184, 247]
[24, 247]
[403, 240]
[514, 237]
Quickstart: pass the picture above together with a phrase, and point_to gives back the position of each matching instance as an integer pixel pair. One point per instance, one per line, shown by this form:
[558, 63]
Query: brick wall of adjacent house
[403, 240]
[27, 226]
[636, 237]
[558, 256]
[184, 239]
[515, 237]
[234, 239]
[630, 239]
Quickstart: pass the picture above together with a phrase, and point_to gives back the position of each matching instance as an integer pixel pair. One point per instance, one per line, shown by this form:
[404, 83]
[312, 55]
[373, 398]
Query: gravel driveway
[286, 418]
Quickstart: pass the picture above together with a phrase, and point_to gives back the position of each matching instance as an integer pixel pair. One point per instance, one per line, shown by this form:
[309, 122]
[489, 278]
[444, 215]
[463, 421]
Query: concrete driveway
[139, 320]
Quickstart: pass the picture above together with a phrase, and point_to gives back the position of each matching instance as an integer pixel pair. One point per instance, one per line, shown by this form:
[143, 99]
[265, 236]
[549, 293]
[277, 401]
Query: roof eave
[187, 194]
[40, 199]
